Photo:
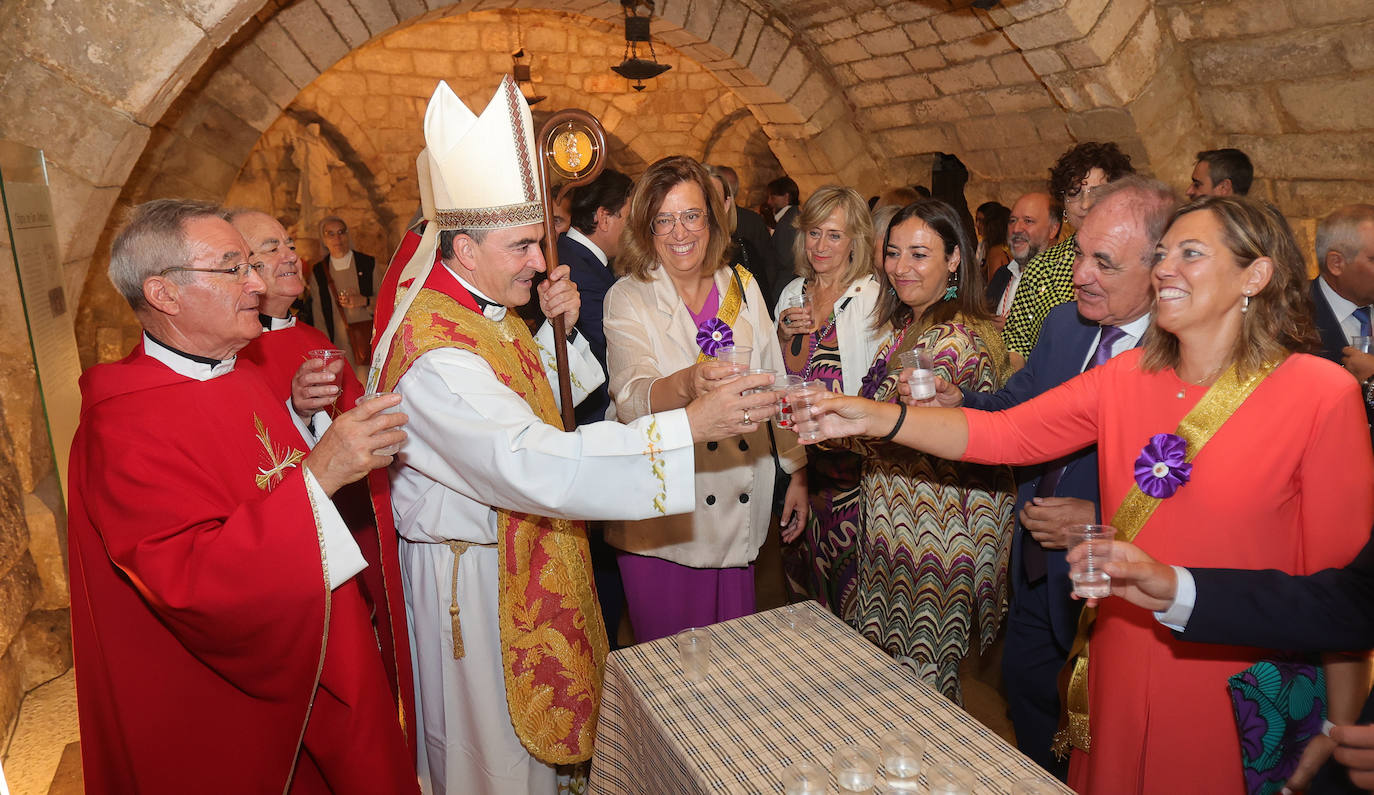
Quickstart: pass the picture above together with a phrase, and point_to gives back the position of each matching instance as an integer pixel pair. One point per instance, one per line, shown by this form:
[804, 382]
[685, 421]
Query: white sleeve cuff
[342, 558]
[1185, 596]
[311, 433]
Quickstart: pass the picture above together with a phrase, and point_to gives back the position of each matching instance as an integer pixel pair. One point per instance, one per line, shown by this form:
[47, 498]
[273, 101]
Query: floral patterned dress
[935, 535]
[821, 564]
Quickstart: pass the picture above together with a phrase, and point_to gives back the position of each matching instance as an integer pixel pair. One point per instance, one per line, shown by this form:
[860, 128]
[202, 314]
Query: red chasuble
[211, 655]
[365, 507]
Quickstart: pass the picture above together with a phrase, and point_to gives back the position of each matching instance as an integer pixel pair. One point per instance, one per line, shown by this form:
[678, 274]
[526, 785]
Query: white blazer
[649, 335]
[859, 343]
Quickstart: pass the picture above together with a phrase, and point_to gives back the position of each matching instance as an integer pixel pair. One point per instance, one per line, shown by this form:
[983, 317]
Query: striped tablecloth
[777, 696]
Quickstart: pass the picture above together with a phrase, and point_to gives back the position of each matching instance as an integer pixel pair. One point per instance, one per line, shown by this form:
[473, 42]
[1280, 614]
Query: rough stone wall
[373, 103]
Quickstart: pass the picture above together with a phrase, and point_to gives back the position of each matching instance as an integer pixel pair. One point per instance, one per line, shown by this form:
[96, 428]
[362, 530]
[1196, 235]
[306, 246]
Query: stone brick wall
[372, 102]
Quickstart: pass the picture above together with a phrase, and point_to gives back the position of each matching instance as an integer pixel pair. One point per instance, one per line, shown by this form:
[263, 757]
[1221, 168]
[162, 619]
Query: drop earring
[1245, 305]
[953, 289]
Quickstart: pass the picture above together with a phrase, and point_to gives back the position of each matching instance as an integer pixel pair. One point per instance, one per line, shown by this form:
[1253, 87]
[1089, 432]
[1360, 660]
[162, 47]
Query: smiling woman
[678, 303]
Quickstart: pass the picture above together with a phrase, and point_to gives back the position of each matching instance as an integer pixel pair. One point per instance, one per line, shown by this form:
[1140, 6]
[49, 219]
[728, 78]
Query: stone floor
[42, 757]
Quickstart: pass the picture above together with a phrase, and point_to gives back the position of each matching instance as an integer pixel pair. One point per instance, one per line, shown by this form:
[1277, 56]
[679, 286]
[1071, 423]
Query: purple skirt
[663, 598]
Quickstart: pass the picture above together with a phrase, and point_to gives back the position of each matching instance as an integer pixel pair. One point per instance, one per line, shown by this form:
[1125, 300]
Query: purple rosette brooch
[713, 335]
[1161, 467]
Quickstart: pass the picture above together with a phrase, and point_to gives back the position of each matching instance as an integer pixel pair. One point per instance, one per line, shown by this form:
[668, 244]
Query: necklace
[816, 337]
[1182, 391]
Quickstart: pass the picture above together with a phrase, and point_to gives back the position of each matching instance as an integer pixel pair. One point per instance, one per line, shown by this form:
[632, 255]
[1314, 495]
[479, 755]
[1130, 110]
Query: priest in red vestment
[222, 640]
[282, 351]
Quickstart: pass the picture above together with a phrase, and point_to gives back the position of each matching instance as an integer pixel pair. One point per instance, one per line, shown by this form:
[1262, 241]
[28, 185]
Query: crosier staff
[571, 143]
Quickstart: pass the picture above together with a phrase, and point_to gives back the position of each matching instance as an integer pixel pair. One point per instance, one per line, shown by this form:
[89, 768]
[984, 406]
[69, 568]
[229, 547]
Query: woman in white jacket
[679, 301]
[831, 340]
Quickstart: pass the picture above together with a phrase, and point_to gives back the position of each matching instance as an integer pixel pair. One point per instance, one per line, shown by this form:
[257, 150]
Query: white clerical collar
[491, 310]
[270, 323]
[1340, 307]
[573, 234]
[198, 367]
[778, 214]
[341, 263]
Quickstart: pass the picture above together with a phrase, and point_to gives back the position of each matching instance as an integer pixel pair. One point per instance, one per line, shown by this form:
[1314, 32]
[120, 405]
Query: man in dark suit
[749, 225]
[597, 213]
[1112, 279]
[1344, 290]
[1331, 610]
[783, 198]
[342, 292]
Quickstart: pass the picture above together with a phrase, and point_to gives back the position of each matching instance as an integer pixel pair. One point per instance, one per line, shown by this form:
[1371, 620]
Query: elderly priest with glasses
[222, 643]
[509, 642]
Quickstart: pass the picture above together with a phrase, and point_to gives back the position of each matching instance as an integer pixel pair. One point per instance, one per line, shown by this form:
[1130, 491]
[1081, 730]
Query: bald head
[1032, 226]
[273, 245]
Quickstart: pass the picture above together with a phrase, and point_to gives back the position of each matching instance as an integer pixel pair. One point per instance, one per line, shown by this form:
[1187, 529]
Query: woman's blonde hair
[637, 257]
[1279, 318]
[858, 225]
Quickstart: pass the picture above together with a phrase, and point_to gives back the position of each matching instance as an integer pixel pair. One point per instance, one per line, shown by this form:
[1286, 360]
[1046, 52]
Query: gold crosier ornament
[572, 144]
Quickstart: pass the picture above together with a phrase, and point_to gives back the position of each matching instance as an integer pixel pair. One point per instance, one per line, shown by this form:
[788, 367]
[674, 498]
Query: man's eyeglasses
[691, 220]
[239, 271]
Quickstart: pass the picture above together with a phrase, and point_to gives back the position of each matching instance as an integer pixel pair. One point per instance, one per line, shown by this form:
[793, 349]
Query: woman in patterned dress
[833, 342]
[935, 534]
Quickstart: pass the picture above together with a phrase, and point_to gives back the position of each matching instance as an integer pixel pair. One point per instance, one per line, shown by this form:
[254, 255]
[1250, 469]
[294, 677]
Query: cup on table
[803, 399]
[390, 449]
[805, 778]
[1030, 786]
[785, 385]
[855, 768]
[1089, 580]
[694, 651]
[327, 355]
[737, 355]
[950, 779]
[1360, 343]
[902, 753]
[801, 302]
[921, 373]
[797, 616]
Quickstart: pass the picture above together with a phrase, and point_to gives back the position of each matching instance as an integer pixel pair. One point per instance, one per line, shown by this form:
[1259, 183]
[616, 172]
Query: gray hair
[1149, 200]
[1340, 232]
[331, 219]
[447, 236]
[153, 240]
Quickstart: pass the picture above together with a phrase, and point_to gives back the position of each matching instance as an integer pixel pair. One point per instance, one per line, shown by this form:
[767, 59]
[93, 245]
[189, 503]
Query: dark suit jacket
[998, 285]
[751, 228]
[1057, 357]
[365, 266]
[784, 264]
[593, 280]
[1333, 338]
[1332, 610]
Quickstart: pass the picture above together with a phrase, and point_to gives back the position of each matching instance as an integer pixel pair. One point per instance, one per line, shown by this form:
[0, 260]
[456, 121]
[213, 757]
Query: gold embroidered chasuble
[553, 640]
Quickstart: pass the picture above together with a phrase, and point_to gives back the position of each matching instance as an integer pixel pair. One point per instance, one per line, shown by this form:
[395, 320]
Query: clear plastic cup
[950, 779]
[694, 652]
[902, 753]
[803, 400]
[391, 449]
[805, 778]
[786, 385]
[738, 355]
[855, 768]
[920, 369]
[1089, 580]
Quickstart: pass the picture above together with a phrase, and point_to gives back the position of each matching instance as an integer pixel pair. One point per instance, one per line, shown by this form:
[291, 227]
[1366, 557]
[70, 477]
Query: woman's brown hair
[637, 257]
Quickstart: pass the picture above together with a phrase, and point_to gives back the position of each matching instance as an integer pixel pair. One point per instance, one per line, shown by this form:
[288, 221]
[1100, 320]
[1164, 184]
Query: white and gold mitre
[482, 168]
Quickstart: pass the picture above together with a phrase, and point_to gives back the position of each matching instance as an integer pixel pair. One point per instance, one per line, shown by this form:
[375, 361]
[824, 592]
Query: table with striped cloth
[776, 696]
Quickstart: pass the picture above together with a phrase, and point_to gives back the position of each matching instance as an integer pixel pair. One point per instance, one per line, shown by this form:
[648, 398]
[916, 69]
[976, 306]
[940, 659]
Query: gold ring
[747, 421]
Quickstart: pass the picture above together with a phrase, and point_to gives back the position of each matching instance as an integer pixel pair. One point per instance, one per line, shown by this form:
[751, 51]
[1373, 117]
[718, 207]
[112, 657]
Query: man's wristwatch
[1369, 391]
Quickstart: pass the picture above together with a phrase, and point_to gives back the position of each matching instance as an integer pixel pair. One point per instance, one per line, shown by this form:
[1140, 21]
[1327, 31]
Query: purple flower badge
[713, 335]
[873, 379]
[1161, 467]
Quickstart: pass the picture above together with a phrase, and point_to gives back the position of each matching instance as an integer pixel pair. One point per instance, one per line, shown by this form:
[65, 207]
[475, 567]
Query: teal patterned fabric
[1280, 706]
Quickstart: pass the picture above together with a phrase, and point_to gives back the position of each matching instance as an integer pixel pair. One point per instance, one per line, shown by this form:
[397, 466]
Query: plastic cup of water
[855, 768]
[805, 778]
[920, 369]
[1089, 580]
[694, 650]
[391, 449]
[950, 780]
[786, 385]
[902, 753]
[738, 355]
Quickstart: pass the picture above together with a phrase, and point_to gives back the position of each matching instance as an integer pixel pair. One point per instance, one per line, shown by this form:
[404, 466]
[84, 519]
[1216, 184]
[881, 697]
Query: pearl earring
[1245, 306]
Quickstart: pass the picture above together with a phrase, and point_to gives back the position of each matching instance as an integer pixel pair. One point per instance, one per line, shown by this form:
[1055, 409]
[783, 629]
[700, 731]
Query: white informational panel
[32, 239]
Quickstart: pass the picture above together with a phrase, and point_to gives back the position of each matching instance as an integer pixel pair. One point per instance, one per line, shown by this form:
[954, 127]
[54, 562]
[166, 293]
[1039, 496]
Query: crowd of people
[411, 584]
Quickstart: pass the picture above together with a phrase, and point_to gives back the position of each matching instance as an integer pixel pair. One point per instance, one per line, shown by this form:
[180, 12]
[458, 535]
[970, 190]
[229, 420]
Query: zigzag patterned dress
[935, 535]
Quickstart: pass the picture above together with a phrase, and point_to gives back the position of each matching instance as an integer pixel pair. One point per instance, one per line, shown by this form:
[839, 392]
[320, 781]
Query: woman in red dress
[1282, 483]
